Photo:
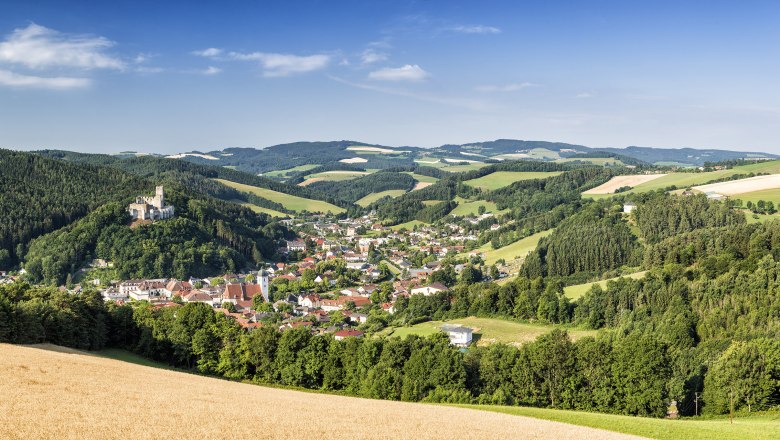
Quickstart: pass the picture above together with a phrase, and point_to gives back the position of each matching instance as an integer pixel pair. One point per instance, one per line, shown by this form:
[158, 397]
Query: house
[113, 294]
[460, 336]
[310, 301]
[629, 207]
[296, 246]
[240, 294]
[715, 196]
[151, 208]
[342, 334]
[430, 289]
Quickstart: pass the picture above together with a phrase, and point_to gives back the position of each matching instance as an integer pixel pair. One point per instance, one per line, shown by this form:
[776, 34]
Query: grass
[500, 179]
[577, 290]
[686, 180]
[464, 168]
[760, 218]
[408, 225]
[337, 176]
[421, 178]
[603, 161]
[51, 392]
[373, 197]
[758, 427]
[260, 209]
[767, 195]
[290, 202]
[467, 208]
[515, 251]
[282, 173]
[489, 330]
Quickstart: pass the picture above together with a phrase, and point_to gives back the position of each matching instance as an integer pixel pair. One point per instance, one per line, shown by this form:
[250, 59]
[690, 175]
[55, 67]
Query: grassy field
[514, 251]
[52, 392]
[756, 427]
[282, 173]
[373, 197]
[421, 178]
[337, 176]
[408, 225]
[686, 180]
[760, 218]
[767, 195]
[603, 161]
[293, 203]
[500, 179]
[577, 290]
[466, 208]
[488, 330]
[255, 208]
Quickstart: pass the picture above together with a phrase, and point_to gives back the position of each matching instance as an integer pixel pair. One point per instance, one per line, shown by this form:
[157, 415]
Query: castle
[151, 208]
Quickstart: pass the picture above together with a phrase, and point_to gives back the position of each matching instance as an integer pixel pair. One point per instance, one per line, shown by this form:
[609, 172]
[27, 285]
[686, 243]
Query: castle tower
[159, 198]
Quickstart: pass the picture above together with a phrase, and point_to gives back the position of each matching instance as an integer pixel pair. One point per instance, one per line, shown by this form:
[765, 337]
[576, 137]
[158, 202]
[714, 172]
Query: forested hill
[77, 211]
[194, 176]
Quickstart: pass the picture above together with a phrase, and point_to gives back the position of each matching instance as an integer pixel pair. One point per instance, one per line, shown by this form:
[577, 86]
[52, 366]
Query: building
[151, 208]
[296, 246]
[429, 290]
[629, 207]
[460, 336]
[342, 334]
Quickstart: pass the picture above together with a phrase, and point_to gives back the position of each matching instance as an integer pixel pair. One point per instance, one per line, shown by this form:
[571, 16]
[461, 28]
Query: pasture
[471, 208]
[500, 179]
[260, 209]
[290, 202]
[283, 173]
[514, 252]
[576, 291]
[53, 392]
[373, 197]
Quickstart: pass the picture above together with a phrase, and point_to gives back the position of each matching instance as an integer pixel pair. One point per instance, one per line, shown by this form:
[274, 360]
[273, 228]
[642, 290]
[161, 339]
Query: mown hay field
[500, 179]
[49, 393]
[293, 203]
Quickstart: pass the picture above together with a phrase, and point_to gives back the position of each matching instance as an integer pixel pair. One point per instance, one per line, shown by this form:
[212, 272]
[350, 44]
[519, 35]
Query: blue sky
[166, 76]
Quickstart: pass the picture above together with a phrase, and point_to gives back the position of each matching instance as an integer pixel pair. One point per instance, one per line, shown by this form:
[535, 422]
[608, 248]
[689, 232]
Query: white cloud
[211, 52]
[505, 88]
[585, 95]
[476, 29]
[8, 78]
[370, 56]
[38, 47]
[278, 64]
[211, 70]
[408, 72]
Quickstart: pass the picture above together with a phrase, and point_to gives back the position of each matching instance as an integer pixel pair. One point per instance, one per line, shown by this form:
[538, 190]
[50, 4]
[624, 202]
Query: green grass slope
[500, 179]
[293, 203]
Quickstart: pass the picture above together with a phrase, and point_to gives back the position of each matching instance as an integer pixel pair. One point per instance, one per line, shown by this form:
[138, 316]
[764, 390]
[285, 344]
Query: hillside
[50, 396]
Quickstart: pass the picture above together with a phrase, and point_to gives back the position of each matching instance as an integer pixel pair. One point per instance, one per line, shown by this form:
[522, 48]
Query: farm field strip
[373, 197]
[500, 179]
[616, 182]
[741, 186]
[291, 202]
[515, 251]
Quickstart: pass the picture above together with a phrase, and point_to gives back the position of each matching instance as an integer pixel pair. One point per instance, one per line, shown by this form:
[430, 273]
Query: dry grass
[421, 185]
[616, 182]
[741, 186]
[65, 394]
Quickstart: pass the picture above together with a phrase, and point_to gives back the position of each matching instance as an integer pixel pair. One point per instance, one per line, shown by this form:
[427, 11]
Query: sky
[172, 76]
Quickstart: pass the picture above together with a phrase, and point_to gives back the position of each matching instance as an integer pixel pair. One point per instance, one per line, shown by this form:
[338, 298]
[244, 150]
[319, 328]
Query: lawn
[577, 290]
[514, 251]
[756, 427]
[466, 208]
[500, 179]
[260, 209]
[373, 197]
[293, 203]
[489, 330]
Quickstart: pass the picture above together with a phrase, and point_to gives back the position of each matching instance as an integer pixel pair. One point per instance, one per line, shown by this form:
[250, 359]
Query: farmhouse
[460, 336]
[151, 208]
[430, 289]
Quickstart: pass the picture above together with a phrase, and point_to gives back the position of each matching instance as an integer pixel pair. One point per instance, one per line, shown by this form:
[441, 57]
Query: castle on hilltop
[151, 208]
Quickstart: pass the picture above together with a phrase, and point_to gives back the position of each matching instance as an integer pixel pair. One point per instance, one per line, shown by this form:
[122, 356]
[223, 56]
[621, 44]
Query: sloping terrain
[48, 392]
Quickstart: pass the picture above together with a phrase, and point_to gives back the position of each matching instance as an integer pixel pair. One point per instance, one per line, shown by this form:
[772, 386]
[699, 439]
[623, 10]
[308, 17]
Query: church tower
[263, 281]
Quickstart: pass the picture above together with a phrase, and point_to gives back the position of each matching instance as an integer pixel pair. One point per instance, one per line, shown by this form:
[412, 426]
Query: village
[337, 277]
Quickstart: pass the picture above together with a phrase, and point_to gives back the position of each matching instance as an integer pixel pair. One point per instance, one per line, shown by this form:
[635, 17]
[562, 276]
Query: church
[151, 208]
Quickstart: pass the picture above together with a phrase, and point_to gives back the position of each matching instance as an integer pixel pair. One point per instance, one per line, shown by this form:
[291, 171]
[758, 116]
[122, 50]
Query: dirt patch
[616, 182]
[421, 185]
[311, 180]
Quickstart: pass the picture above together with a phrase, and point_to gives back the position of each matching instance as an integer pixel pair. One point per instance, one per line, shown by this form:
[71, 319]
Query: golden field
[50, 392]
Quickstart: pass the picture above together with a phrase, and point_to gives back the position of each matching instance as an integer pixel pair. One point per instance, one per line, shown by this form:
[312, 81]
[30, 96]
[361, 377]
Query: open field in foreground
[48, 392]
[577, 290]
[741, 186]
[294, 203]
[621, 181]
[489, 330]
[500, 179]
[754, 427]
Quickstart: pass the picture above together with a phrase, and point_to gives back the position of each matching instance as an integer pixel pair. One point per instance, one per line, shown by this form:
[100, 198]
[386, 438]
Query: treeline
[355, 189]
[660, 216]
[39, 195]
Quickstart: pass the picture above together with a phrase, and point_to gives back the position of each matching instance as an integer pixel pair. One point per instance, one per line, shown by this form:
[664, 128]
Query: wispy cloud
[274, 64]
[11, 79]
[38, 47]
[585, 95]
[506, 87]
[408, 72]
[370, 56]
[211, 70]
[475, 29]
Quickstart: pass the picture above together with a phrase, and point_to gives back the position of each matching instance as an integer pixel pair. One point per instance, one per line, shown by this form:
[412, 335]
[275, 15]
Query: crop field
[293, 203]
[260, 209]
[755, 427]
[576, 291]
[489, 330]
[770, 182]
[500, 179]
[373, 197]
[616, 182]
[515, 251]
[332, 176]
[51, 392]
